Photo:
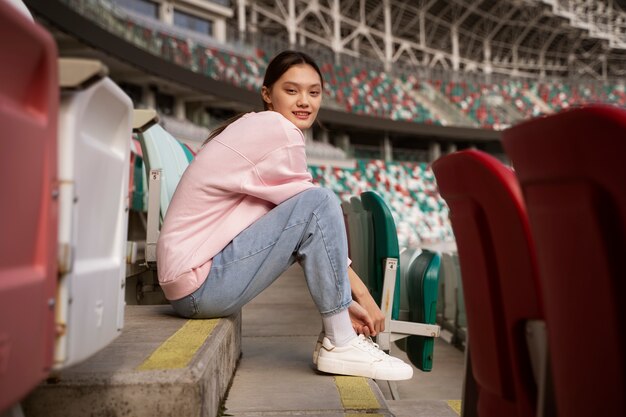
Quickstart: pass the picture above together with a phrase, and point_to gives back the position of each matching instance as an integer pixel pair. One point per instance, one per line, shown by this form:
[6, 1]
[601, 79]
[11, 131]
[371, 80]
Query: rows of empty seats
[355, 88]
[527, 241]
[420, 214]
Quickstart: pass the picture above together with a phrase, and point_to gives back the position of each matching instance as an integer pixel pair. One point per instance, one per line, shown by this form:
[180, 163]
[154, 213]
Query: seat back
[139, 184]
[162, 151]
[360, 232]
[385, 245]
[498, 270]
[573, 176]
[407, 257]
[29, 209]
[95, 127]
[366, 238]
[449, 280]
[422, 287]
[188, 151]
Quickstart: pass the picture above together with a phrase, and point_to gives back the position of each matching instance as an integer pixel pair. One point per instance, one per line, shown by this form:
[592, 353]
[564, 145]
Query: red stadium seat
[29, 97]
[573, 175]
[499, 275]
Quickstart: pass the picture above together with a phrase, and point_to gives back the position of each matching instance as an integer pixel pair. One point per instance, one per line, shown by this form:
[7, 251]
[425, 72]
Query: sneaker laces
[368, 344]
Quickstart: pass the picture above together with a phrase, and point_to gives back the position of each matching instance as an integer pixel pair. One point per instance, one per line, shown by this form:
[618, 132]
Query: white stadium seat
[94, 150]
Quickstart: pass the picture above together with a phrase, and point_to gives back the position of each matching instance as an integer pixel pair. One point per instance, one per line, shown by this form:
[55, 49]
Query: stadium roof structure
[440, 39]
[124, 57]
[525, 38]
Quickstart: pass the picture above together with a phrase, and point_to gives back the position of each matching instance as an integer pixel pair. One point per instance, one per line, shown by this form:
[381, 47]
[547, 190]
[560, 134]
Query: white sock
[338, 328]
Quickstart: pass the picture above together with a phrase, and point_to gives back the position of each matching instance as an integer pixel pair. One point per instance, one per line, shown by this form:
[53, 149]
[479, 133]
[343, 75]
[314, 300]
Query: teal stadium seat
[163, 152]
[422, 286]
[165, 161]
[385, 281]
[385, 244]
[139, 195]
[29, 210]
[363, 244]
[188, 152]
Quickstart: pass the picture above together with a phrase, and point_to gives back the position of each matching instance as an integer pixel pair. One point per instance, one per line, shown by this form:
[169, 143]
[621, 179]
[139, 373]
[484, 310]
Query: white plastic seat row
[94, 149]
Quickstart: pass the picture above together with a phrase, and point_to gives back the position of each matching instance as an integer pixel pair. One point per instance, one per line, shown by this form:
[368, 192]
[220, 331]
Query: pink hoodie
[255, 164]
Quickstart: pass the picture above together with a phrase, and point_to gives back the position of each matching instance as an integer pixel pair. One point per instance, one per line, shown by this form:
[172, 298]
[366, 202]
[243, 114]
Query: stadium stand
[571, 170]
[418, 210]
[94, 155]
[358, 88]
[29, 187]
[501, 284]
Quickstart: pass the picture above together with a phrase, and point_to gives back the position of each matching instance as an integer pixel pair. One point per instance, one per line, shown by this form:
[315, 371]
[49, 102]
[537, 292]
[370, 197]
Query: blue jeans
[307, 228]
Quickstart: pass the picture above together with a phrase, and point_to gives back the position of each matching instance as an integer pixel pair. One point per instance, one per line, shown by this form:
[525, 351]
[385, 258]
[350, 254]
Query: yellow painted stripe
[455, 405]
[355, 393]
[361, 415]
[177, 351]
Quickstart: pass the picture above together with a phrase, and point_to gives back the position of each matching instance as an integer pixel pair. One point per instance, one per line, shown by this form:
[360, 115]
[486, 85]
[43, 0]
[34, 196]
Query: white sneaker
[318, 346]
[361, 357]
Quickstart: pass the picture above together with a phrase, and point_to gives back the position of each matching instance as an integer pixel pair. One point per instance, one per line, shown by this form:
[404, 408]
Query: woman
[245, 210]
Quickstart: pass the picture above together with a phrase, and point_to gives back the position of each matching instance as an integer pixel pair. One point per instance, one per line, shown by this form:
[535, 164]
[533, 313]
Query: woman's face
[297, 95]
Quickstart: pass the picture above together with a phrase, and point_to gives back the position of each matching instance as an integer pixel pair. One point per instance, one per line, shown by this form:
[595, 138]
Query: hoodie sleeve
[280, 175]
[279, 161]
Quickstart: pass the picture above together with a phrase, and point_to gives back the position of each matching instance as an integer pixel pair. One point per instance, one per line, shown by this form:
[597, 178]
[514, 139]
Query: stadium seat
[363, 243]
[138, 195]
[95, 121]
[385, 240]
[381, 251]
[28, 215]
[572, 173]
[449, 305]
[143, 119]
[162, 151]
[165, 162]
[422, 286]
[188, 151]
[499, 274]
[407, 257]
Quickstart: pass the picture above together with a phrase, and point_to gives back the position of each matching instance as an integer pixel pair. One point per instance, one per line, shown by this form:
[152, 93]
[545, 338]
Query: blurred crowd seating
[409, 189]
[356, 88]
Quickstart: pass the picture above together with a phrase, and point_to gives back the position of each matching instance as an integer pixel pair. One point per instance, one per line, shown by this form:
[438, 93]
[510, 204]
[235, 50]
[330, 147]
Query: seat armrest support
[154, 216]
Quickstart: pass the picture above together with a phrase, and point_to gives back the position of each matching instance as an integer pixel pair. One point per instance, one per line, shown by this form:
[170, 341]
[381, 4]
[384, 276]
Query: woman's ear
[265, 94]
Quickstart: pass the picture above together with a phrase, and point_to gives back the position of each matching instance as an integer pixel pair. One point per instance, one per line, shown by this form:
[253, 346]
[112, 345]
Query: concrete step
[425, 408]
[161, 365]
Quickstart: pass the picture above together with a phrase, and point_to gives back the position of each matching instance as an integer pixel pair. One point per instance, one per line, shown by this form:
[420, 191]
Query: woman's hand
[361, 321]
[364, 299]
[378, 318]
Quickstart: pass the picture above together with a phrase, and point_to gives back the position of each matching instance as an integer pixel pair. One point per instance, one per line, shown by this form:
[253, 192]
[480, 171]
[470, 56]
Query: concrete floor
[276, 375]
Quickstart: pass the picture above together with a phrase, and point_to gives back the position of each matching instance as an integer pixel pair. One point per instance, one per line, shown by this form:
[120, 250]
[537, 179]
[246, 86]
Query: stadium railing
[506, 351]
[572, 173]
[94, 156]
[28, 214]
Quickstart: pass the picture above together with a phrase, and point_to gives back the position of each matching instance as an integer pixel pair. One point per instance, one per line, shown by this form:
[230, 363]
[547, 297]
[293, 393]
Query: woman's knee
[319, 194]
[323, 198]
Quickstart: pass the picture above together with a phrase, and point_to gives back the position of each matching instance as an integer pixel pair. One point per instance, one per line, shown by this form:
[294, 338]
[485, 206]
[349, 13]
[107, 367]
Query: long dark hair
[275, 69]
